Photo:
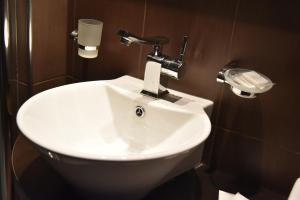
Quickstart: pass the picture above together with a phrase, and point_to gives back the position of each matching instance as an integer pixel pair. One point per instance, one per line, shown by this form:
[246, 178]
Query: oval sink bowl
[110, 141]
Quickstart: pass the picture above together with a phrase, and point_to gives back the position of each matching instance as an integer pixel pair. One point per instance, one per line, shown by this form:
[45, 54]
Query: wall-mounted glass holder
[88, 37]
[244, 82]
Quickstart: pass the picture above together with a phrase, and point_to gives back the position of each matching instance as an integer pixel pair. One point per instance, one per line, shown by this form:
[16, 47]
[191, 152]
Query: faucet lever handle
[183, 48]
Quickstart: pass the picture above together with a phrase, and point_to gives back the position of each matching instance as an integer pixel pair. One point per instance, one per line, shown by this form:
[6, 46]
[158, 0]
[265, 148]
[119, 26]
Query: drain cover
[139, 111]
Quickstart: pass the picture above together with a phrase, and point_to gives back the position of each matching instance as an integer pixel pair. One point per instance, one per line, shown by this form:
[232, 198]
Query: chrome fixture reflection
[129, 38]
[88, 37]
[157, 63]
[244, 82]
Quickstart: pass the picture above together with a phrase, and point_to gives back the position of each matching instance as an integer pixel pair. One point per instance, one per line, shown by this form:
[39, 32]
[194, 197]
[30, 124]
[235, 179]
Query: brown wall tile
[269, 40]
[242, 115]
[239, 156]
[21, 46]
[280, 168]
[286, 171]
[17, 95]
[114, 58]
[249, 163]
[255, 139]
[50, 36]
[266, 39]
[208, 25]
[17, 68]
[48, 84]
[11, 66]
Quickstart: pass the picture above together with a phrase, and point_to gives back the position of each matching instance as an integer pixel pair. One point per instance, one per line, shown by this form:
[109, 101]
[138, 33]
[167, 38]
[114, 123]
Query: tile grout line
[236, 13]
[142, 35]
[297, 153]
[283, 148]
[48, 80]
[17, 64]
[28, 41]
[18, 82]
[41, 82]
[144, 19]
[218, 107]
[73, 49]
[229, 131]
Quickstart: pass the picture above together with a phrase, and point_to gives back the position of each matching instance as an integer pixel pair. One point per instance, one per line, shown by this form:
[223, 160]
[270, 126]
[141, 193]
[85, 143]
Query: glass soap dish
[247, 83]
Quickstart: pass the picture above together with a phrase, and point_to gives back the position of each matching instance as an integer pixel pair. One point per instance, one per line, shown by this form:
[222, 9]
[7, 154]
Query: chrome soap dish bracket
[244, 82]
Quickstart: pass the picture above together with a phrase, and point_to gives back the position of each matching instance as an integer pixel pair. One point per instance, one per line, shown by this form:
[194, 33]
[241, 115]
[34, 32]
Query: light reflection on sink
[91, 134]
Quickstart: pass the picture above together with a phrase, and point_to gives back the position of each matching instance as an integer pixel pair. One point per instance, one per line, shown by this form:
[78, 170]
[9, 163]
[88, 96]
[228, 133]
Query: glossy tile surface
[252, 138]
[266, 36]
[192, 185]
[48, 84]
[233, 157]
[208, 25]
[114, 58]
[49, 39]
[269, 41]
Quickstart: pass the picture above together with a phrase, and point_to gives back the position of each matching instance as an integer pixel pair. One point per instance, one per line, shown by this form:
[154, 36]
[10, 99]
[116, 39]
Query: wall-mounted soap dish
[244, 82]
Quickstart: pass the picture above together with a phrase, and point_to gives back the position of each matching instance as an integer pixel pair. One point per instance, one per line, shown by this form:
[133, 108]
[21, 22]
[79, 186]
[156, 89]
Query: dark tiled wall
[16, 90]
[115, 59]
[17, 70]
[263, 133]
[253, 140]
[49, 49]
[48, 66]
[49, 45]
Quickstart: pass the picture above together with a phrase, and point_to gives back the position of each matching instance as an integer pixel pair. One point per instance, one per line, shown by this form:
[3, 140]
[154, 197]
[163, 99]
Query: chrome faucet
[157, 64]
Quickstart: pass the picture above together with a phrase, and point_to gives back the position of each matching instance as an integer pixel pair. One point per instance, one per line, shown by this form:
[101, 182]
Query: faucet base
[160, 93]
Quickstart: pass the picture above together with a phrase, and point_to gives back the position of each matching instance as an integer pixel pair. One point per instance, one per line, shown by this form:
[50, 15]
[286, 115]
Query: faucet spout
[152, 86]
[128, 38]
[157, 64]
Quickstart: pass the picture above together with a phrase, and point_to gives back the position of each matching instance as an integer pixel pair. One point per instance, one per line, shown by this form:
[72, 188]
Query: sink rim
[174, 150]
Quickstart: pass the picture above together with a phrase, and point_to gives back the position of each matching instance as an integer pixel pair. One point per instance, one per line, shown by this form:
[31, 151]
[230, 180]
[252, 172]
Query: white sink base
[90, 134]
[122, 180]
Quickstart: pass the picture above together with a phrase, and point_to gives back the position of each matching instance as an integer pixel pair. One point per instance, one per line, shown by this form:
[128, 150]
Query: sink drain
[139, 111]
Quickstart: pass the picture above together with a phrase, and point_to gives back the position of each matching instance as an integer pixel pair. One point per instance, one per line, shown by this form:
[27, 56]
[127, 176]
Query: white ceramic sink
[95, 123]
[295, 193]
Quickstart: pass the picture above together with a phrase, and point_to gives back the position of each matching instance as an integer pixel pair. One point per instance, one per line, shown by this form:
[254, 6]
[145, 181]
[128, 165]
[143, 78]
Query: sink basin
[94, 135]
